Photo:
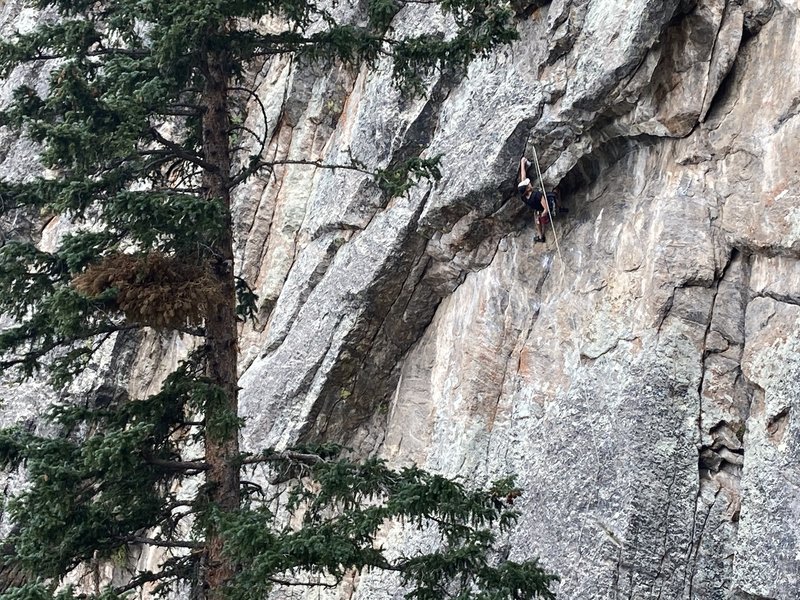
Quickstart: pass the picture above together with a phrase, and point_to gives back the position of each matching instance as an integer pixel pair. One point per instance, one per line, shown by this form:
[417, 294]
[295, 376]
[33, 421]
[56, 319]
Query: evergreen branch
[178, 177]
[152, 169]
[316, 584]
[161, 543]
[256, 166]
[177, 191]
[260, 139]
[252, 486]
[178, 465]
[179, 112]
[286, 455]
[45, 349]
[182, 153]
[146, 577]
[129, 52]
[40, 56]
[187, 177]
[345, 42]
[262, 108]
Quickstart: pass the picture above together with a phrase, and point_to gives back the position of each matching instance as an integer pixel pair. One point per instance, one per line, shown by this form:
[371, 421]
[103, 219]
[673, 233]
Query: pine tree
[152, 247]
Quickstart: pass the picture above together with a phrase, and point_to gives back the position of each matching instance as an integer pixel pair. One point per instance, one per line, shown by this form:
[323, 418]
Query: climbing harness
[547, 204]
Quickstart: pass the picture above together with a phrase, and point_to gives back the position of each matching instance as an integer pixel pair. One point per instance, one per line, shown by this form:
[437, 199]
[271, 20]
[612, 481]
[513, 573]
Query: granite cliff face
[642, 382]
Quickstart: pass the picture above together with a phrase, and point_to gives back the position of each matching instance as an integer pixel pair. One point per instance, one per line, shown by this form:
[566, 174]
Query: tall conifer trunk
[221, 445]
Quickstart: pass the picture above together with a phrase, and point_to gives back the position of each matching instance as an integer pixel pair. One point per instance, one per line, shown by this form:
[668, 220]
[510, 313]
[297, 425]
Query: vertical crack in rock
[724, 406]
[691, 566]
[694, 534]
[665, 547]
[723, 53]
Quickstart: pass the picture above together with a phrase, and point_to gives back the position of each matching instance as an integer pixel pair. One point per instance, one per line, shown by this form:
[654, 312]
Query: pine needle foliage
[136, 130]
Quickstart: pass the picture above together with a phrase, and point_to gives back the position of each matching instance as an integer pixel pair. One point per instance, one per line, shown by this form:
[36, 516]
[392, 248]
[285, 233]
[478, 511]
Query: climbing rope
[547, 204]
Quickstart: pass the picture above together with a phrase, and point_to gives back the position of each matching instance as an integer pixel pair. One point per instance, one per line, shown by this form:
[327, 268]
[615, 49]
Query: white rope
[547, 204]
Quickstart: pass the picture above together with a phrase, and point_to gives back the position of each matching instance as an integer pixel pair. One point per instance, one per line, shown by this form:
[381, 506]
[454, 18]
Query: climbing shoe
[538, 238]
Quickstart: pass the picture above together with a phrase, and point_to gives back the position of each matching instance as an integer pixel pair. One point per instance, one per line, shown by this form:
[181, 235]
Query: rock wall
[640, 376]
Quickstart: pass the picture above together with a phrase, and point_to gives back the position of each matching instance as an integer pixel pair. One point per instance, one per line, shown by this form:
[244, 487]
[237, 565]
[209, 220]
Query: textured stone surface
[641, 379]
[771, 507]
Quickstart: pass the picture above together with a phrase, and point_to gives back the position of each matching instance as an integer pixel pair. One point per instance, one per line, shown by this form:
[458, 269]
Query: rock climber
[535, 200]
